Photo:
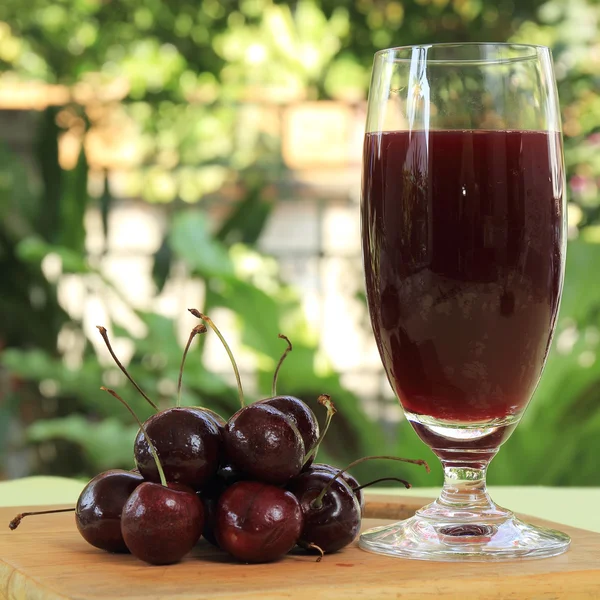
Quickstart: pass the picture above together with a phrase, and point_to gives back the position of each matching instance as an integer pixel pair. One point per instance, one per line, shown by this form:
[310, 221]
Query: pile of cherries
[248, 485]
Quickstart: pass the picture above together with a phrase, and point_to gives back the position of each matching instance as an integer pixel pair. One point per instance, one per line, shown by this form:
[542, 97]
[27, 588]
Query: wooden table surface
[46, 559]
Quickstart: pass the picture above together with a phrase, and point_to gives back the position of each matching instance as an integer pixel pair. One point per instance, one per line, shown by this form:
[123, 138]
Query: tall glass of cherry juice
[463, 233]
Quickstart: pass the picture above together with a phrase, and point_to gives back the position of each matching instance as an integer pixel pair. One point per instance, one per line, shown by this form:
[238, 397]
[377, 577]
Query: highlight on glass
[463, 232]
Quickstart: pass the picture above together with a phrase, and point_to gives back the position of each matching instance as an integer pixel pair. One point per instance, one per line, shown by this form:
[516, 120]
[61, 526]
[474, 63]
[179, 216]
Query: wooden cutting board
[46, 559]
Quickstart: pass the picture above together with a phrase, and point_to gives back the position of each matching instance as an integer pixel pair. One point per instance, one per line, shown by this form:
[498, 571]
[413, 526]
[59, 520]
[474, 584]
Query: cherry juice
[463, 245]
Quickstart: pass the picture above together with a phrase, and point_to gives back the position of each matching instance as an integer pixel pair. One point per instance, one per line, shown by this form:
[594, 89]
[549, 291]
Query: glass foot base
[424, 539]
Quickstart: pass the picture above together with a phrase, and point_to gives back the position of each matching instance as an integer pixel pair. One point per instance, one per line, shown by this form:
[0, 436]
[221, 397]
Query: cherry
[335, 521]
[188, 443]
[346, 477]
[188, 440]
[352, 482]
[210, 495]
[218, 420]
[99, 508]
[331, 510]
[263, 443]
[257, 522]
[160, 525]
[260, 441]
[227, 476]
[300, 415]
[210, 499]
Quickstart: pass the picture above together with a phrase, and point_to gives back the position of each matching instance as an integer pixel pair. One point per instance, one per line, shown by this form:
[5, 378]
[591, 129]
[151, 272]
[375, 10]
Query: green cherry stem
[161, 473]
[199, 329]
[104, 335]
[318, 501]
[17, 520]
[209, 322]
[324, 400]
[283, 357]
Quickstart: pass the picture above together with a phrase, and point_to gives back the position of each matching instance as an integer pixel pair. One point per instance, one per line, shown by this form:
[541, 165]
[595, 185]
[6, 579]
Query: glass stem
[464, 497]
[465, 486]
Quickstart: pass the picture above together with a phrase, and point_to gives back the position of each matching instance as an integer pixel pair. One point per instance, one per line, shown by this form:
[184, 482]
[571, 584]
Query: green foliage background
[191, 70]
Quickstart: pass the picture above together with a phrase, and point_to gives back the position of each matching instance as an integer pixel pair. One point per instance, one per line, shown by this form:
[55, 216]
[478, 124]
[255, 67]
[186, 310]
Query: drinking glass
[463, 233]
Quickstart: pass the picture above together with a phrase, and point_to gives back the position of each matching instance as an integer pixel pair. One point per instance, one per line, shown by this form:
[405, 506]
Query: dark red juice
[463, 254]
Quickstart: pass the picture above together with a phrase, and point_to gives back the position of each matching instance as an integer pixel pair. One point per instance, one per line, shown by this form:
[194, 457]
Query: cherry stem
[325, 401]
[104, 335]
[283, 357]
[407, 485]
[17, 520]
[161, 473]
[318, 501]
[209, 322]
[199, 329]
[313, 547]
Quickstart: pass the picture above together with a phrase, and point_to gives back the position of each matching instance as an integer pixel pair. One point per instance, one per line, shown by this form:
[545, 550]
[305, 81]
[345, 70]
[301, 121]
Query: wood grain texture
[46, 559]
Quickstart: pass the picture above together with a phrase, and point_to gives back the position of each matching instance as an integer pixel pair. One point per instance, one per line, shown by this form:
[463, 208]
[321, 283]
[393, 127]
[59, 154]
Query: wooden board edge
[391, 506]
[23, 587]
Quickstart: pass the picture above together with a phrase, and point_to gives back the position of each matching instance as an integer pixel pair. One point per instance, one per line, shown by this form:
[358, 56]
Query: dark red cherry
[160, 525]
[210, 499]
[227, 475]
[301, 416]
[264, 444]
[257, 522]
[349, 479]
[333, 524]
[188, 443]
[99, 508]
[210, 494]
[220, 422]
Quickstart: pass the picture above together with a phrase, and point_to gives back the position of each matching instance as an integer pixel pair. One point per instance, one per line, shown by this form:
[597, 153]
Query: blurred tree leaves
[185, 77]
[33, 250]
[191, 240]
[92, 437]
[25, 287]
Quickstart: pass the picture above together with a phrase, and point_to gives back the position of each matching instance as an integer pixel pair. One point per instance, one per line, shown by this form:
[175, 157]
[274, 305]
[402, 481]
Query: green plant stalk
[104, 335]
[199, 329]
[209, 322]
[283, 357]
[161, 473]
[324, 400]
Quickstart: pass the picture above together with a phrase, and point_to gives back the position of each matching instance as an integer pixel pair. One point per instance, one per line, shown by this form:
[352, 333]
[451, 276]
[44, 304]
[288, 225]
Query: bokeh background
[160, 155]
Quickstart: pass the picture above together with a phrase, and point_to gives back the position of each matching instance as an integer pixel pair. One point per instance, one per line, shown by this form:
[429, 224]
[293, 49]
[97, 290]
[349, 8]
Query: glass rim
[522, 52]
